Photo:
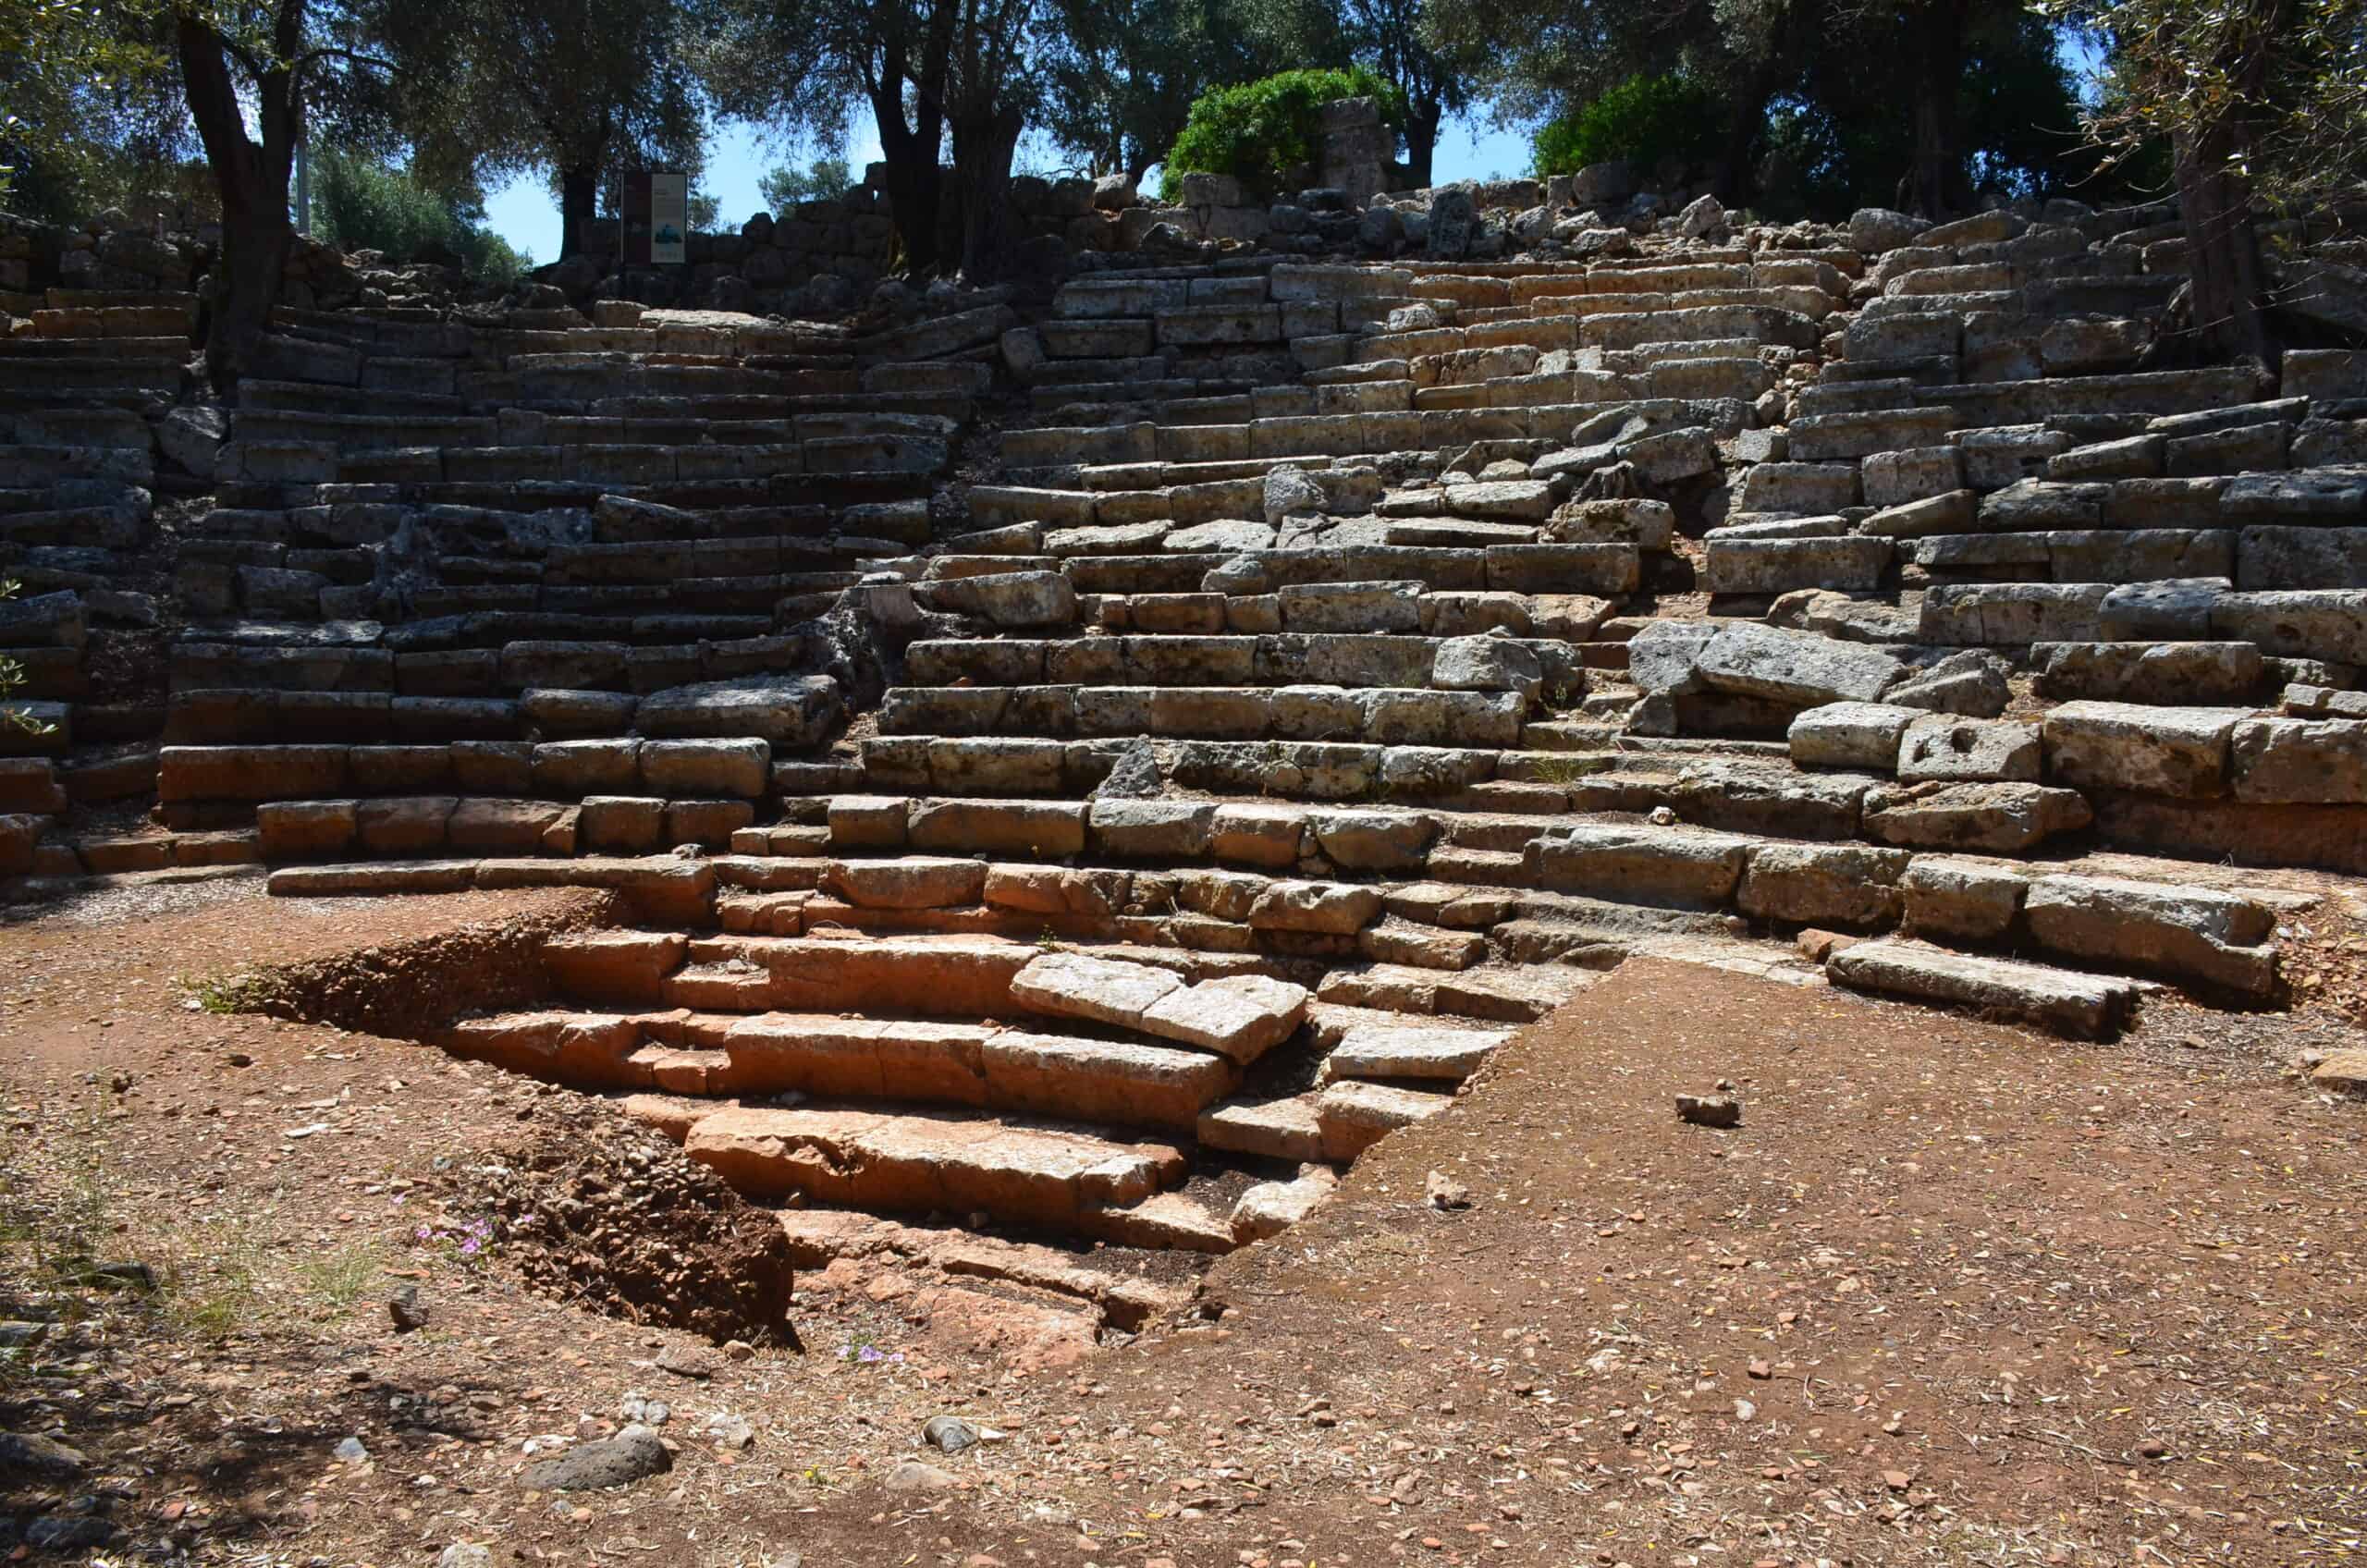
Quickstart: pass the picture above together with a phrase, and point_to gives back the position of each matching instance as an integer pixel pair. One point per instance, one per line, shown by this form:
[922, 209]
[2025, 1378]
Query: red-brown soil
[1953, 1294]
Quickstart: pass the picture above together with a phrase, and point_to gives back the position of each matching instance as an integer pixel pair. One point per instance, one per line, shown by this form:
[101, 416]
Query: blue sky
[525, 213]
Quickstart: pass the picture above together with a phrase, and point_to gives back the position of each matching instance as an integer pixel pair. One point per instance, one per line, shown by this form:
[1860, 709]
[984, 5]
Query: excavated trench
[600, 1202]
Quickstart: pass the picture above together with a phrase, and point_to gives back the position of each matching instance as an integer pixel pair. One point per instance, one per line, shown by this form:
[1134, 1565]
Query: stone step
[938, 975]
[1518, 994]
[1126, 1302]
[256, 394]
[145, 355]
[1239, 1017]
[1279, 659]
[79, 426]
[1038, 1175]
[732, 767]
[27, 465]
[1352, 1115]
[1312, 712]
[1389, 1051]
[2212, 940]
[2083, 1006]
[661, 889]
[1377, 608]
[834, 1056]
[1559, 571]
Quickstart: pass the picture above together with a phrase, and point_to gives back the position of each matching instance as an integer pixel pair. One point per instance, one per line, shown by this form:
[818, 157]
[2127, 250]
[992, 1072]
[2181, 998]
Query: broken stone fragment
[1709, 1111]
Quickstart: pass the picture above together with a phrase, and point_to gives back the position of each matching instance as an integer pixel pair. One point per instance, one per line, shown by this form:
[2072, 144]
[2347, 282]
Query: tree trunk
[2223, 250]
[909, 154]
[578, 191]
[1422, 122]
[253, 260]
[985, 142]
[1732, 179]
[1936, 182]
[252, 178]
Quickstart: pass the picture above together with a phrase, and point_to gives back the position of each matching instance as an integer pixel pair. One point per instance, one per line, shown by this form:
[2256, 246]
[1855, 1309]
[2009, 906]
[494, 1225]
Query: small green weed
[339, 1280]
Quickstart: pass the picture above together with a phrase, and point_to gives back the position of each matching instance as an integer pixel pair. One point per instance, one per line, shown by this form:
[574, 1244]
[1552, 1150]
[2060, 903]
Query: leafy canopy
[2280, 83]
[1261, 129]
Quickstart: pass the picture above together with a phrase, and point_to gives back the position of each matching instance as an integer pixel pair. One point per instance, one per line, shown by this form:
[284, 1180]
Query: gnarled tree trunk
[249, 175]
[2229, 285]
[1934, 185]
[579, 194]
[1423, 118]
[985, 142]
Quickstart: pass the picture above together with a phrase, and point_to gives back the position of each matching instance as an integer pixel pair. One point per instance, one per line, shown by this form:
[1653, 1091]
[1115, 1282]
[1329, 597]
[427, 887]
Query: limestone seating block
[1609, 569]
[1269, 1208]
[1285, 1128]
[1948, 748]
[739, 768]
[2083, 1006]
[1825, 437]
[1101, 1081]
[2184, 752]
[1046, 828]
[1152, 828]
[1810, 489]
[1761, 565]
[1952, 898]
[1678, 868]
[1800, 668]
[1026, 1175]
[2001, 818]
[2169, 674]
[2176, 611]
[1240, 1017]
[910, 882]
[621, 968]
[2013, 614]
[1412, 1051]
[250, 773]
[1105, 990]
[585, 1049]
[2329, 624]
[2291, 760]
[2187, 934]
[622, 824]
[1849, 734]
[955, 976]
[1848, 885]
[1352, 1115]
[1330, 908]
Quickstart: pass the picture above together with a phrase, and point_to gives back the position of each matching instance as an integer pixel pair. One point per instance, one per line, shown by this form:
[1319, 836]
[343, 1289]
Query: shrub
[1259, 129]
[1643, 119]
[364, 205]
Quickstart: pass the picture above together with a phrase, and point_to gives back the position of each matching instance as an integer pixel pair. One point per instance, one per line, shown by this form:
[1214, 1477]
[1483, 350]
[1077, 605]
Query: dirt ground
[1953, 1294]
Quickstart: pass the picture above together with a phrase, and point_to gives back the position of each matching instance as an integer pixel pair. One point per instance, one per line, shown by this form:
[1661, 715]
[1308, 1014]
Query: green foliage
[1643, 120]
[785, 185]
[224, 994]
[2272, 90]
[362, 203]
[12, 679]
[1259, 129]
[339, 1280]
[88, 108]
[1123, 73]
